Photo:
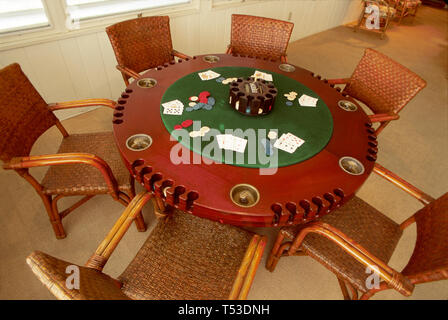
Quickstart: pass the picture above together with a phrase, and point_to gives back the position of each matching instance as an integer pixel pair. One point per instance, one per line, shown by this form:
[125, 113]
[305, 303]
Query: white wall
[83, 66]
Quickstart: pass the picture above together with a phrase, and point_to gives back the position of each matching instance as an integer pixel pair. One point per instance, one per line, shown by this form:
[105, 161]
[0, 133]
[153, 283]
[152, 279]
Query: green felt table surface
[312, 124]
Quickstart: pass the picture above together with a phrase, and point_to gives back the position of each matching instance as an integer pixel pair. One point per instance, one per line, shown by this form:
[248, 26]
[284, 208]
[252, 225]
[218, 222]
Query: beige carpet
[415, 147]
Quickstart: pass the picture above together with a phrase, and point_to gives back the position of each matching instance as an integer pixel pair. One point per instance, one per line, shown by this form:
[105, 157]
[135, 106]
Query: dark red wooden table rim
[295, 194]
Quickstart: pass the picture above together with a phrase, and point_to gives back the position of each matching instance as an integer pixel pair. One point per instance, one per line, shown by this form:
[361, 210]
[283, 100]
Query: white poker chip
[194, 98]
[192, 104]
[272, 135]
[291, 98]
[204, 130]
[194, 134]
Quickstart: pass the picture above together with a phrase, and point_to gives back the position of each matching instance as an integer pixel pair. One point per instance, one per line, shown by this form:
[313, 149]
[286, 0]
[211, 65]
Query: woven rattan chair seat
[364, 224]
[411, 3]
[93, 284]
[186, 257]
[81, 178]
[384, 11]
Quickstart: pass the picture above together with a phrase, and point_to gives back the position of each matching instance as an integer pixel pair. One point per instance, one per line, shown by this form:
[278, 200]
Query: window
[22, 15]
[226, 2]
[78, 10]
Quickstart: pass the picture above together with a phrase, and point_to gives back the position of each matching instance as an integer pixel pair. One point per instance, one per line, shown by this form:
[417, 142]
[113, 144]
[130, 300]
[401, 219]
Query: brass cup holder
[287, 67]
[244, 195]
[351, 166]
[347, 105]
[138, 142]
[146, 83]
[211, 59]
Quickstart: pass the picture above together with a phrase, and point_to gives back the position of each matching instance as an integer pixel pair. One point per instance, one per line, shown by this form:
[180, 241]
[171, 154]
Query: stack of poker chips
[252, 97]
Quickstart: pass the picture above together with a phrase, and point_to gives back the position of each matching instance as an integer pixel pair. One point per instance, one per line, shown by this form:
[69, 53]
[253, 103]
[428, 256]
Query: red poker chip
[177, 127]
[204, 94]
[187, 123]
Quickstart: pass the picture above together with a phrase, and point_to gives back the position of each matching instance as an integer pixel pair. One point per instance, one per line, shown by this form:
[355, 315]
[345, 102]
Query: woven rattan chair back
[24, 113]
[383, 84]
[429, 261]
[142, 43]
[260, 37]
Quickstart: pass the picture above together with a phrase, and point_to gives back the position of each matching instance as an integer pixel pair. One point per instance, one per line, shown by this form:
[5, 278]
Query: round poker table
[246, 186]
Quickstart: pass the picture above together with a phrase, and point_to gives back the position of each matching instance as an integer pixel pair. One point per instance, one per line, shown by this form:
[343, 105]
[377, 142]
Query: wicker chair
[386, 12]
[406, 8]
[384, 85]
[259, 37]
[184, 257]
[141, 44]
[86, 164]
[357, 236]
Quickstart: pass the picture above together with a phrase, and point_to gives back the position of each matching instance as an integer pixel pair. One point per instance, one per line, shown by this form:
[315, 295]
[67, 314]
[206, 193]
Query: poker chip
[189, 109]
[289, 103]
[187, 123]
[204, 129]
[207, 107]
[194, 134]
[192, 104]
[198, 106]
[229, 80]
[272, 135]
[211, 101]
[177, 127]
[194, 98]
[291, 96]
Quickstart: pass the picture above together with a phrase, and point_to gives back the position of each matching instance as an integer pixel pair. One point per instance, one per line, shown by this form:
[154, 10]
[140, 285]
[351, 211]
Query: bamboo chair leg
[55, 219]
[270, 261]
[354, 293]
[353, 290]
[125, 78]
[344, 289]
[276, 257]
[371, 292]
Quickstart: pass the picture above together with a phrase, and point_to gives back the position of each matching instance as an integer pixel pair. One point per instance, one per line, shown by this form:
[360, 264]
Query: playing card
[174, 107]
[220, 138]
[173, 104]
[230, 142]
[173, 111]
[288, 142]
[239, 144]
[208, 75]
[262, 75]
[307, 101]
[294, 139]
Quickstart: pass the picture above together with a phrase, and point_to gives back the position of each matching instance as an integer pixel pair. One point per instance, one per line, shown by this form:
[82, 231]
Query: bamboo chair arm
[128, 72]
[393, 278]
[108, 245]
[402, 184]
[382, 117]
[229, 49]
[180, 55]
[283, 58]
[339, 81]
[82, 103]
[67, 158]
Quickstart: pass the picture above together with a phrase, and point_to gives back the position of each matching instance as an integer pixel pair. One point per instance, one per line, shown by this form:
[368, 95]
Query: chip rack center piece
[252, 97]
